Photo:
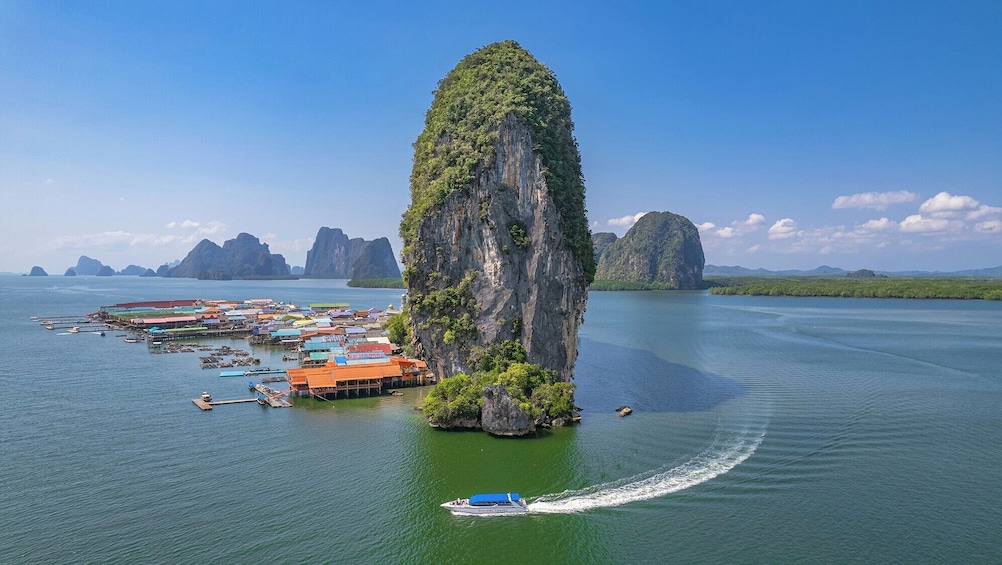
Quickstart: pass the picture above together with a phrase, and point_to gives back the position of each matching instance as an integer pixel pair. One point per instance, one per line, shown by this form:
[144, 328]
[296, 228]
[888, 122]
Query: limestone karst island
[497, 251]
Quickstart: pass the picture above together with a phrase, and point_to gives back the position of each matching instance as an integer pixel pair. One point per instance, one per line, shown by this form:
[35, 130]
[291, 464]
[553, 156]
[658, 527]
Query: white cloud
[212, 228]
[118, 238]
[737, 228]
[198, 230]
[946, 203]
[883, 224]
[626, 221]
[916, 223]
[875, 200]
[982, 211]
[991, 226]
[754, 248]
[783, 229]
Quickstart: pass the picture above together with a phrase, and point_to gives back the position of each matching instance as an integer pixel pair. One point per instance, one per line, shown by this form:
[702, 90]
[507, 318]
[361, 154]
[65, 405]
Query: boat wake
[727, 451]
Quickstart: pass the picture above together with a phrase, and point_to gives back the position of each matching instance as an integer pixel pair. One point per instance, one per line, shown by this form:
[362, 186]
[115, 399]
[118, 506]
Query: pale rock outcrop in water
[537, 290]
[501, 415]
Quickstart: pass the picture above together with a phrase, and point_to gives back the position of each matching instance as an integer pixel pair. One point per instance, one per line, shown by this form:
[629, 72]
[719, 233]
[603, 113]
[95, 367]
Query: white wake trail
[723, 455]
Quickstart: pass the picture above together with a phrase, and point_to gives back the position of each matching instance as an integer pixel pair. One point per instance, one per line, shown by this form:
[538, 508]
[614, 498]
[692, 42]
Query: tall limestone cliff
[242, 257]
[334, 255]
[496, 241]
[661, 248]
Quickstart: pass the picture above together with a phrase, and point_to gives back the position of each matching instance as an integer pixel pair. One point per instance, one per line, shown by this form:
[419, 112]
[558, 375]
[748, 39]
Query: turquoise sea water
[765, 430]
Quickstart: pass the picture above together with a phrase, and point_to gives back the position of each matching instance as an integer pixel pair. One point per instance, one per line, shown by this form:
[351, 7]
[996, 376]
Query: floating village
[338, 352]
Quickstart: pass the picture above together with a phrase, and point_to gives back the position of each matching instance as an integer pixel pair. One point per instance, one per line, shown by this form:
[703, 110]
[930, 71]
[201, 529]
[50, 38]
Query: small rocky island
[497, 250]
[662, 250]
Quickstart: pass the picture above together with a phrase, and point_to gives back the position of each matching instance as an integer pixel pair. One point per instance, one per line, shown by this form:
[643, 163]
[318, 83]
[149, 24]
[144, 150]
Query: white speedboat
[493, 504]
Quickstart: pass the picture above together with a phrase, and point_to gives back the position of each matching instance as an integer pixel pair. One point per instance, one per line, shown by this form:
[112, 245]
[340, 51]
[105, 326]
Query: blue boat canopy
[494, 498]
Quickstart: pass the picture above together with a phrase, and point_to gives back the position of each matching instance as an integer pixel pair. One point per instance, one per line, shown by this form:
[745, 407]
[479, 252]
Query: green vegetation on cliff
[534, 388]
[462, 130]
[449, 309]
[398, 330]
[844, 287]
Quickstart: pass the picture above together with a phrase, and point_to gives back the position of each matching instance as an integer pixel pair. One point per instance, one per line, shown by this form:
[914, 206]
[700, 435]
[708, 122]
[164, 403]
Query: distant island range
[334, 255]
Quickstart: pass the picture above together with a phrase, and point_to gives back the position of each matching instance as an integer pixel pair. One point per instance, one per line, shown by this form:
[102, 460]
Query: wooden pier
[208, 405]
[273, 397]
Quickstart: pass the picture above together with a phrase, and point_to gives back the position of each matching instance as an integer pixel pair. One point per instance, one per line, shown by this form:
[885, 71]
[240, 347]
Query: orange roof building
[334, 381]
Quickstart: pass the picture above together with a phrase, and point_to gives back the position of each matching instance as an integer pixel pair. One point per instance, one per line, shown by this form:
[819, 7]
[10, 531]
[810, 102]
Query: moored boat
[491, 504]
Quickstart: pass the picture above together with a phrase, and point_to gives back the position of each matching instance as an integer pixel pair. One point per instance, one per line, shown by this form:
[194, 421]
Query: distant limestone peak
[239, 258]
[660, 248]
[334, 255]
[87, 266]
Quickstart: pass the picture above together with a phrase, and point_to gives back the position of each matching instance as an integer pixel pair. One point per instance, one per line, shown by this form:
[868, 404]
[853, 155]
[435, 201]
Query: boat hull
[510, 505]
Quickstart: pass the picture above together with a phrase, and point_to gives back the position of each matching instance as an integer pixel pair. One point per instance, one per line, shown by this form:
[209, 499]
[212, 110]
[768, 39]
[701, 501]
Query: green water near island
[764, 430]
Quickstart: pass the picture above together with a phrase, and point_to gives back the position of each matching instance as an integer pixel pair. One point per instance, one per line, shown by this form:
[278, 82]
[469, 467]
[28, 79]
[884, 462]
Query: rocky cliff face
[331, 254]
[496, 242]
[504, 236]
[660, 248]
[334, 255]
[242, 257]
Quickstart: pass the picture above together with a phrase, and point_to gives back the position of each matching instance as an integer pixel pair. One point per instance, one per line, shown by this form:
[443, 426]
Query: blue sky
[794, 134]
